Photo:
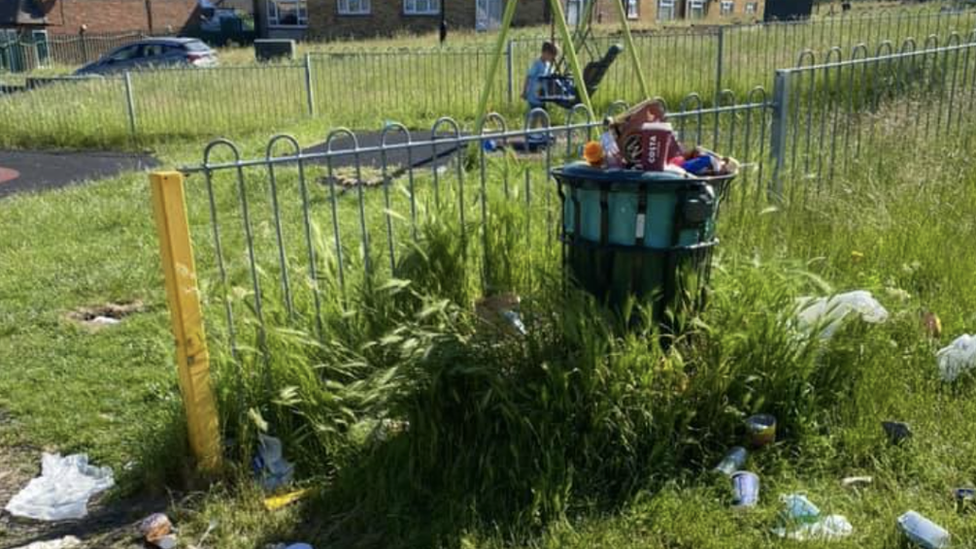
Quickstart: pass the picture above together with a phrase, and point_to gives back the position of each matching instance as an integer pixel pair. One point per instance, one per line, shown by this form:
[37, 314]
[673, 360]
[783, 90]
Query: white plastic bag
[958, 358]
[67, 542]
[831, 312]
[829, 528]
[63, 489]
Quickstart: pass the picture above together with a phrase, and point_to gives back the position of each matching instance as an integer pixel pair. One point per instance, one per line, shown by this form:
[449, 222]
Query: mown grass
[364, 87]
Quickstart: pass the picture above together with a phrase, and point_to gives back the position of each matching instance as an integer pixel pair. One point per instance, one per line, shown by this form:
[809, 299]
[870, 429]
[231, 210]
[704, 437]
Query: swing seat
[560, 89]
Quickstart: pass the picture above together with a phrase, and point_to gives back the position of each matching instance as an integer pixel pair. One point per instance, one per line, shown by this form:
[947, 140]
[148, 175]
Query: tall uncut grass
[420, 420]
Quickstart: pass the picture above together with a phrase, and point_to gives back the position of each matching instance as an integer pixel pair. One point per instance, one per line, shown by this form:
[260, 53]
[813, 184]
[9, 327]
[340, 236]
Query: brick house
[358, 18]
[101, 16]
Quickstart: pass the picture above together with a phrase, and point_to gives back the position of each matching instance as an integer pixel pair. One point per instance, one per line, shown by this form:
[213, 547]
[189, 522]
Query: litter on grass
[277, 502]
[849, 482]
[158, 530]
[801, 521]
[63, 489]
[67, 542]
[957, 358]
[829, 313]
[923, 531]
[270, 467]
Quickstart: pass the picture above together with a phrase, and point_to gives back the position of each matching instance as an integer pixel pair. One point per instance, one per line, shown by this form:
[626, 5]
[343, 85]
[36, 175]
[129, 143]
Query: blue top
[537, 71]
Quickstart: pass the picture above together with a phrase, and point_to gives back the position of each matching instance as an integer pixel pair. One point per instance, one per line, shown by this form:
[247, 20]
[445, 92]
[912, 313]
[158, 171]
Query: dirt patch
[103, 316]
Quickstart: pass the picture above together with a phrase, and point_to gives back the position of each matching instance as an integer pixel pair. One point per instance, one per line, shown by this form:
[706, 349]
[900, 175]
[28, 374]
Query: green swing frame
[569, 47]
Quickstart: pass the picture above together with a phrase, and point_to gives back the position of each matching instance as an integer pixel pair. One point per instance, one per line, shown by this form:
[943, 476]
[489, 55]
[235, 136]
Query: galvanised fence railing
[285, 229]
[30, 52]
[363, 87]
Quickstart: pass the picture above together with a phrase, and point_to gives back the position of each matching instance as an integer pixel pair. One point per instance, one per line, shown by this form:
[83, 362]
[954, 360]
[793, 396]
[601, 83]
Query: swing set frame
[571, 44]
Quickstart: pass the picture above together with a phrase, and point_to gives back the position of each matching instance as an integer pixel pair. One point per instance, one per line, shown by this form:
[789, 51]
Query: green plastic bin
[649, 235]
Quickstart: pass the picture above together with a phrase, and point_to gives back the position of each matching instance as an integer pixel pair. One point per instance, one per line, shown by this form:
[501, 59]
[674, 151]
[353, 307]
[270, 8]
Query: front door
[488, 15]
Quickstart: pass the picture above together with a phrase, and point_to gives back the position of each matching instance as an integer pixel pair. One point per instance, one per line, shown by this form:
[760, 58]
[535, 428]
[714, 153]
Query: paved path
[29, 171]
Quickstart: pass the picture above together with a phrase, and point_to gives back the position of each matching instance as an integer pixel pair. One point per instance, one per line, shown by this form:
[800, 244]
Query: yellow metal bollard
[183, 297]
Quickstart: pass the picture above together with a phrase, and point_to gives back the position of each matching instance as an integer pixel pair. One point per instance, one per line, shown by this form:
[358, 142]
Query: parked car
[153, 52]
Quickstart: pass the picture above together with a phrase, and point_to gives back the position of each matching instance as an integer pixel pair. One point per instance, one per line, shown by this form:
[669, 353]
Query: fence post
[310, 93]
[130, 103]
[183, 298]
[84, 45]
[720, 54]
[510, 71]
[781, 94]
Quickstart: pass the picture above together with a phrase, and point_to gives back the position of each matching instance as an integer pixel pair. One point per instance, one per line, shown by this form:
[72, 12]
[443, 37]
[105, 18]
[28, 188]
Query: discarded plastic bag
[67, 542]
[831, 312]
[63, 489]
[270, 466]
[802, 521]
[829, 528]
[958, 358]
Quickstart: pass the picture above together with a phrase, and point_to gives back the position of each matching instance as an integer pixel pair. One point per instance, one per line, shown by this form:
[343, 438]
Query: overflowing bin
[630, 231]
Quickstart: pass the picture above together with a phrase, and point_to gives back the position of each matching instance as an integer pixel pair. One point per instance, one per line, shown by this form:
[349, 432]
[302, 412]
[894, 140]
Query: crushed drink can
[745, 489]
[733, 461]
[923, 532]
[965, 499]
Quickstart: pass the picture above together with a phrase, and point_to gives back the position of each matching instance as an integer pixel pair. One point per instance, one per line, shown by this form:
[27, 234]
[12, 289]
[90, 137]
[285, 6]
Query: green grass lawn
[413, 82]
[113, 393]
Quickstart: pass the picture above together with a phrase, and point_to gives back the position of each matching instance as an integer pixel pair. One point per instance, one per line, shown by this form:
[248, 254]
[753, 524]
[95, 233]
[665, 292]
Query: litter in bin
[158, 530]
[63, 489]
[745, 489]
[277, 502]
[957, 358]
[923, 531]
[270, 466]
[830, 312]
[897, 431]
[733, 461]
[67, 542]
[762, 430]
[850, 482]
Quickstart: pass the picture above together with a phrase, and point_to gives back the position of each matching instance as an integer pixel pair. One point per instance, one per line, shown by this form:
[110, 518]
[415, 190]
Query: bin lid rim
[582, 170]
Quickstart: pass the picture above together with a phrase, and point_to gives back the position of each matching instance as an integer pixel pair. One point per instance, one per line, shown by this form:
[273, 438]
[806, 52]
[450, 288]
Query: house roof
[21, 12]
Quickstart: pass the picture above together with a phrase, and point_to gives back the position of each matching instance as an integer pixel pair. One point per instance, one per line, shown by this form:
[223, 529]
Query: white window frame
[727, 7]
[354, 7]
[411, 7]
[751, 8]
[665, 5]
[274, 17]
[696, 9]
[633, 9]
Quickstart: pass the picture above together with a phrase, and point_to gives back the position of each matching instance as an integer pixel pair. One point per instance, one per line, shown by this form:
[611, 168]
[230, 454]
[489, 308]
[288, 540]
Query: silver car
[153, 52]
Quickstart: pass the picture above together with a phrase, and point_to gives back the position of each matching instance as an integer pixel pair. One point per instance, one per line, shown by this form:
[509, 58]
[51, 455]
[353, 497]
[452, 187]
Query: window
[727, 7]
[633, 9]
[574, 12]
[665, 10]
[696, 9]
[124, 54]
[354, 7]
[751, 8]
[421, 7]
[287, 13]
